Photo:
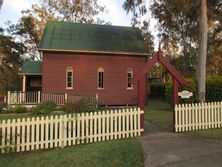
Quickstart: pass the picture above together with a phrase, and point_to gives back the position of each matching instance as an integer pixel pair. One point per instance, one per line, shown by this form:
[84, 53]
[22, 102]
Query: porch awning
[31, 68]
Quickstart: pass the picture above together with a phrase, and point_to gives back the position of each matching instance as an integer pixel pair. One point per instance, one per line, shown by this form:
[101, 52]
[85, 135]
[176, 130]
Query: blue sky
[11, 10]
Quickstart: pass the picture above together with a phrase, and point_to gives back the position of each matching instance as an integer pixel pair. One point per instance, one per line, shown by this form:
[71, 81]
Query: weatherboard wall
[85, 77]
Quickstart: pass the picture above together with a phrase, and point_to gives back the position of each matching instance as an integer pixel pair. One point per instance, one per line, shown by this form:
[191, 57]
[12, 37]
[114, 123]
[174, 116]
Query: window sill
[100, 88]
[129, 88]
[69, 88]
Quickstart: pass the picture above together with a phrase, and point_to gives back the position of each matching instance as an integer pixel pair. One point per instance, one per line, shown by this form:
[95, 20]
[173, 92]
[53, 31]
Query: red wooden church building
[89, 59]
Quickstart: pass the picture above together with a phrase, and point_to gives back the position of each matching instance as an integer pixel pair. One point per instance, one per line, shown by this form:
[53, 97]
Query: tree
[11, 60]
[201, 73]
[31, 25]
[178, 25]
[138, 9]
[1, 2]
[79, 11]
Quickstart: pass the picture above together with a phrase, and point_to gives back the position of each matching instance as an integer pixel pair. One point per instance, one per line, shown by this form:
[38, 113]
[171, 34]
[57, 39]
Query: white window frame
[129, 71]
[100, 69]
[69, 69]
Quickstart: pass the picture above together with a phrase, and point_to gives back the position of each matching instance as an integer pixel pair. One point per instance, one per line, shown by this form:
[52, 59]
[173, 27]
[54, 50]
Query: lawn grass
[159, 113]
[126, 152]
[209, 133]
[15, 116]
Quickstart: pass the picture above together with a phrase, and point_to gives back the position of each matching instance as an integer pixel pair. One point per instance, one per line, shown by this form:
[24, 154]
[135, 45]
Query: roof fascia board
[93, 51]
[30, 73]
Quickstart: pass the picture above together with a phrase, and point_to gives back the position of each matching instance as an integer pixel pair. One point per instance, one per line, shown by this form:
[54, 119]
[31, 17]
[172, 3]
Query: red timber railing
[34, 98]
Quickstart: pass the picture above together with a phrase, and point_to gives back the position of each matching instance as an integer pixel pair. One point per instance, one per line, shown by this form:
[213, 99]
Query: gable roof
[92, 38]
[32, 68]
[166, 63]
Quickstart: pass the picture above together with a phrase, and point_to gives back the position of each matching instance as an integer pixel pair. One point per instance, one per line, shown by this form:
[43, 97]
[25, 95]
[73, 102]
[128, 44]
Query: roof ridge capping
[90, 24]
[92, 38]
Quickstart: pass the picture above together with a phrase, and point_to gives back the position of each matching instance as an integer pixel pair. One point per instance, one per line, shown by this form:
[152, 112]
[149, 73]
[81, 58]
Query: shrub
[68, 107]
[19, 109]
[169, 93]
[45, 107]
[157, 90]
[214, 89]
[83, 105]
[3, 106]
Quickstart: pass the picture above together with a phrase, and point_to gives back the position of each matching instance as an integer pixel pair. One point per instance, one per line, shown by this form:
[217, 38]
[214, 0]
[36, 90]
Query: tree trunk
[201, 73]
[1, 2]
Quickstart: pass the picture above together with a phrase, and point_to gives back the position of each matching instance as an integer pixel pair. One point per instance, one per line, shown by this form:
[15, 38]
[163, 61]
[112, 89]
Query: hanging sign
[185, 94]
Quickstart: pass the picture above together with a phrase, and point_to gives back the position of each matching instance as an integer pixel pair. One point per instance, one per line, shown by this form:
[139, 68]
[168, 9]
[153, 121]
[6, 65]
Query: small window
[100, 78]
[69, 78]
[129, 77]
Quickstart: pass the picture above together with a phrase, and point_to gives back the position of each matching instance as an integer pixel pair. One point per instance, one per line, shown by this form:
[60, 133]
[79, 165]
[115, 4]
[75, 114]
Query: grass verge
[127, 152]
[159, 113]
[209, 133]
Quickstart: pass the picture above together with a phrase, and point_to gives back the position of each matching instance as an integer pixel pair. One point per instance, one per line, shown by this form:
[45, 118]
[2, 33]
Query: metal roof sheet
[91, 37]
[31, 67]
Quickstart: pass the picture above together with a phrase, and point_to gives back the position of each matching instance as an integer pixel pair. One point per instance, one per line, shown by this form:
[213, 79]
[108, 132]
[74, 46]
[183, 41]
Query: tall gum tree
[202, 54]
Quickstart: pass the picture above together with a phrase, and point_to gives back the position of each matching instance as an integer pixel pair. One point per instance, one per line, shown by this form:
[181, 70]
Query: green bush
[45, 107]
[157, 90]
[18, 109]
[169, 93]
[83, 105]
[68, 107]
[214, 89]
[3, 106]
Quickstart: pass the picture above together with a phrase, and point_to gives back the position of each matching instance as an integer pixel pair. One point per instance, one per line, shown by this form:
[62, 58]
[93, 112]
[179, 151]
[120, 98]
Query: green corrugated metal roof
[31, 67]
[91, 37]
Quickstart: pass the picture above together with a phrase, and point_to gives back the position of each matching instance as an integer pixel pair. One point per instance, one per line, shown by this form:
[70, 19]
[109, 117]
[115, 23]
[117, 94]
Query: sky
[11, 10]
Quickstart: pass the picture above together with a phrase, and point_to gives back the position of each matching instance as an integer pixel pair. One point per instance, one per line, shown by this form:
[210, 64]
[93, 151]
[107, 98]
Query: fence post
[66, 97]
[221, 113]
[9, 98]
[39, 97]
[20, 97]
[61, 131]
[5, 99]
[97, 100]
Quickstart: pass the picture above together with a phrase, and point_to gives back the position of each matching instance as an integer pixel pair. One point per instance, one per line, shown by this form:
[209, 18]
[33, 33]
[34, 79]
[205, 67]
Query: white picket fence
[198, 116]
[65, 130]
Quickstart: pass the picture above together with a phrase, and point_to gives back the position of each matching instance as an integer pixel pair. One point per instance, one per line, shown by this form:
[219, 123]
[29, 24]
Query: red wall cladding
[85, 77]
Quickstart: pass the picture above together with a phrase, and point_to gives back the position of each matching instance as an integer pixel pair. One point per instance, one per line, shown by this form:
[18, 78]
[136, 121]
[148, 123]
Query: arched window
[129, 77]
[69, 78]
[100, 78]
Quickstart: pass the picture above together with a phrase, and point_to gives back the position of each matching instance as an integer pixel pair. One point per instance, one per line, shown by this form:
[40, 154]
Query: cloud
[11, 10]
[116, 15]
[16, 6]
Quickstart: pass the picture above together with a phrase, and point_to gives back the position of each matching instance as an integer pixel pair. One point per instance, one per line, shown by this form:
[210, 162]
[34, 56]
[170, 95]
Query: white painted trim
[24, 81]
